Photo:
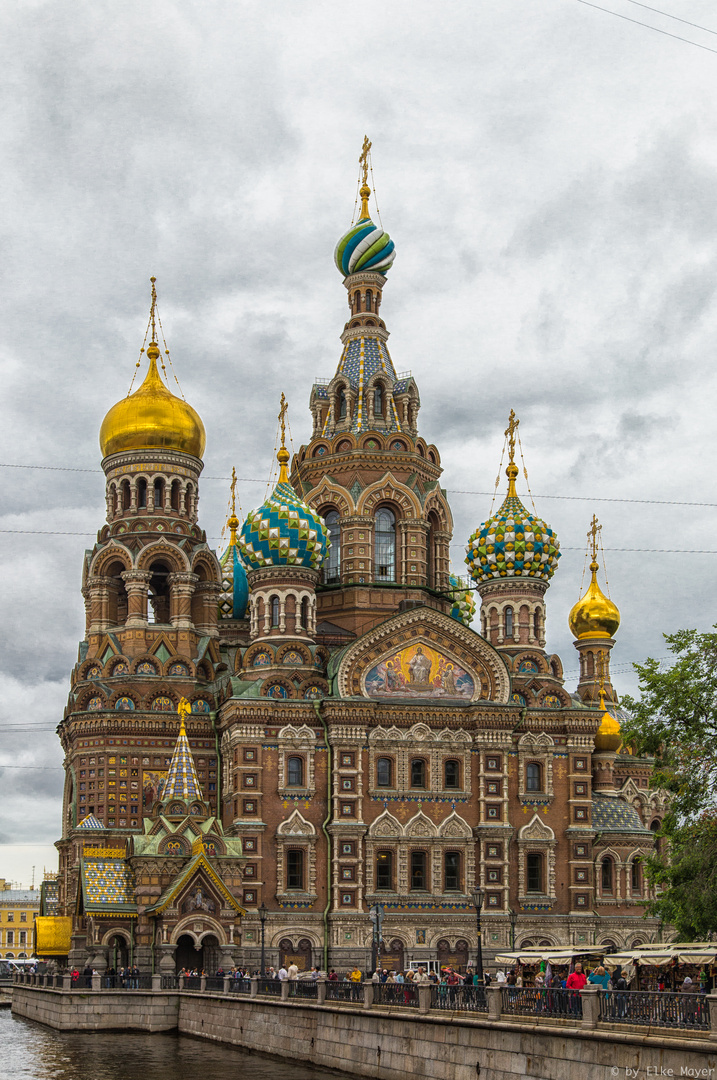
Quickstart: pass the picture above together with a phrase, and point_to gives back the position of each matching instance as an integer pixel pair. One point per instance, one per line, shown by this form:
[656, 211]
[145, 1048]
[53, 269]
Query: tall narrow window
[126, 495]
[606, 875]
[369, 300]
[385, 545]
[305, 613]
[158, 494]
[275, 611]
[384, 770]
[534, 873]
[452, 774]
[509, 622]
[418, 870]
[451, 871]
[332, 565]
[533, 779]
[636, 878]
[141, 493]
[418, 773]
[384, 870]
[342, 405]
[295, 772]
[378, 401]
[175, 495]
[536, 624]
[294, 869]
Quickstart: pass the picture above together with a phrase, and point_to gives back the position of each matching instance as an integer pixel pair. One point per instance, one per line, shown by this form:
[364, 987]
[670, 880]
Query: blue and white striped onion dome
[283, 532]
[512, 543]
[365, 247]
[463, 605]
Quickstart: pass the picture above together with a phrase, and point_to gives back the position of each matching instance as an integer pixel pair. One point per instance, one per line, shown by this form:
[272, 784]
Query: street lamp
[512, 928]
[376, 915]
[478, 903]
[263, 911]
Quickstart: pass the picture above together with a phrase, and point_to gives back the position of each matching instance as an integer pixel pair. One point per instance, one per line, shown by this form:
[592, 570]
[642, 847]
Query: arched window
[384, 770]
[534, 873]
[533, 779]
[126, 495]
[275, 611]
[384, 870]
[295, 772]
[451, 871]
[295, 869]
[369, 300]
[332, 565]
[305, 613]
[418, 870]
[418, 773]
[452, 774]
[385, 545]
[175, 495]
[342, 405]
[606, 875]
[378, 401]
[636, 878]
[536, 624]
[158, 606]
[141, 493]
[158, 501]
[188, 500]
[509, 622]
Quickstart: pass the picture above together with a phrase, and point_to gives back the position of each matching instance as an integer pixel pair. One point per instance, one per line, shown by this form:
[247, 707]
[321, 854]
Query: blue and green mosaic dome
[283, 532]
[463, 605]
[365, 247]
[512, 543]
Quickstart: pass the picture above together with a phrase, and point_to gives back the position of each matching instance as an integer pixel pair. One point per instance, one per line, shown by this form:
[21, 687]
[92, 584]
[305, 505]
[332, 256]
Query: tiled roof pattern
[612, 814]
[182, 780]
[108, 884]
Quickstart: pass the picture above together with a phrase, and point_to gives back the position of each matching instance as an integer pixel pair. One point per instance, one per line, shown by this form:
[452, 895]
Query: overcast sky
[548, 172]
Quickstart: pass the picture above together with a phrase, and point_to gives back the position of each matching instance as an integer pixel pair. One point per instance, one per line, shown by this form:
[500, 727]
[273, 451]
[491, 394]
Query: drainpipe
[330, 778]
[213, 717]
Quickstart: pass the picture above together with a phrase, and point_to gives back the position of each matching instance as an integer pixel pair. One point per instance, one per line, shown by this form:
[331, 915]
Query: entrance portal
[392, 959]
[301, 955]
[118, 953]
[456, 958]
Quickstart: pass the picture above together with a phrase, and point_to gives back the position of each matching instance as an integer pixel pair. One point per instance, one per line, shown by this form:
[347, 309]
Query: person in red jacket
[576, 981]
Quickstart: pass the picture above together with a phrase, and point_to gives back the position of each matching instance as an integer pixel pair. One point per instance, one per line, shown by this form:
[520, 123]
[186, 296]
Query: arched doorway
[204, 958]
[392, 959]
[456, 958]
[302, 955]
[118, 953]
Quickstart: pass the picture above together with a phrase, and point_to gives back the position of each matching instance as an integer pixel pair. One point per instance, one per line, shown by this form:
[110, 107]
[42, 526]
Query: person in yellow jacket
[355, 980]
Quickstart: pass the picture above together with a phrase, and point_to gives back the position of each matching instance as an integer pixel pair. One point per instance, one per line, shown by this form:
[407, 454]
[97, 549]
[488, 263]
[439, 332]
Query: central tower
[366, 471]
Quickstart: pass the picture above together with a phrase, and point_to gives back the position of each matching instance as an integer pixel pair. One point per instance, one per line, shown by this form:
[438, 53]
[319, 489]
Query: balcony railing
[344, 991]
[531, 1001]
[651, 1008]
[459, 998]
[405, 994]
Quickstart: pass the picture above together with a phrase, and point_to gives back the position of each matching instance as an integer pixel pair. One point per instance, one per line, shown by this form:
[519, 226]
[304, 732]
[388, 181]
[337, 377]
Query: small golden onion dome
[152, 418]
[594, 615]
[608, 735]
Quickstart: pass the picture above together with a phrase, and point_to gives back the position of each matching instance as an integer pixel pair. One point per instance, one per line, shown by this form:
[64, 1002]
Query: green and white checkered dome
[463, 605]
[512, 543]
[284, 531]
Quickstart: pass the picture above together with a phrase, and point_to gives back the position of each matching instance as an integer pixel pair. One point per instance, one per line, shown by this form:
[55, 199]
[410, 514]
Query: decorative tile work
[108, 884]
[90, 822]
[182, 781]
[512, 543]
[463, 605]
[283, 532]
[612, 814]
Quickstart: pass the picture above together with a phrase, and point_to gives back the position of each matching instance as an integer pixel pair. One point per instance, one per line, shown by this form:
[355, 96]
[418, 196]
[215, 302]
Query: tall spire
[182, 781]
[283, 456]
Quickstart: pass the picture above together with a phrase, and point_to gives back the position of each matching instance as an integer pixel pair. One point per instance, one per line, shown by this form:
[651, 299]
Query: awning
[553, 954]
[53, 935]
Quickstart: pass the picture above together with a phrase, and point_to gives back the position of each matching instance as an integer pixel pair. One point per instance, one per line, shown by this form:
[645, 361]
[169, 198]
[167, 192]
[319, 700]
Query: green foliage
[675, 720]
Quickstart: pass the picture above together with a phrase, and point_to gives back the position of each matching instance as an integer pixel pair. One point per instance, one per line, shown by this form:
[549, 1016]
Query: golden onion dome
[594, 615]
[152, 418]
[608, 735]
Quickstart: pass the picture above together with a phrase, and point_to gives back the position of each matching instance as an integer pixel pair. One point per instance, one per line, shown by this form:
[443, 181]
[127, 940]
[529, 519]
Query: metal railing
[532, 1001]
[303, 988]
[192, 982]
[459, 998]
[169, 982]
[214, 982]
[125, 982]
[344, 991]
[272, 987]
[240, 986]
[405, 994]
[655, 1009]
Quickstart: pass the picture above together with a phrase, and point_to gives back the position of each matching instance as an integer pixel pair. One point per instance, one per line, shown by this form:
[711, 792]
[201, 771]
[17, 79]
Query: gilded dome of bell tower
[153, 417]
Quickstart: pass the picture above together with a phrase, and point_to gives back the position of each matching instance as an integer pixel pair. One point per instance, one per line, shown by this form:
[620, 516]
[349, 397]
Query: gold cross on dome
[510, 433]
[593, 533]
[282, 418]
[234, 490]
[363, 158]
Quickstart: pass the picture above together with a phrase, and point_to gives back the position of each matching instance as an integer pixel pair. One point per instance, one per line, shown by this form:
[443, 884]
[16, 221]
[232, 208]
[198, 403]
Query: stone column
[591, 1006]
[494, 998]
[227, 981]
[96, 982]
[321, 991]
[424, 997]
[712, 1002]
[254, 988]
[156, 982]
[137, 585]
[367, 995]
[203, 983]
[182, 586]
[97, 595]
[285, 990]
[209, 592]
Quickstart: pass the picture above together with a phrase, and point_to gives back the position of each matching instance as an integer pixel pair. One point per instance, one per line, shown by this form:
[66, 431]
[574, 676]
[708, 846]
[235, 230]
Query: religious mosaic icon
[419, 671]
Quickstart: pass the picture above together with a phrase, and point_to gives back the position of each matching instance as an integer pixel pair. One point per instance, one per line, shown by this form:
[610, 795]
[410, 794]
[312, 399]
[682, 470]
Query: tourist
[575, 983]
[283, 973]
[292, 972]
[333, 977]
[599, 977]
[355, 980]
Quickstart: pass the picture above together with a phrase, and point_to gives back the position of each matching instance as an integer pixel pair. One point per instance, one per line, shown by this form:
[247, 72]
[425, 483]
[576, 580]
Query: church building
[270, 741]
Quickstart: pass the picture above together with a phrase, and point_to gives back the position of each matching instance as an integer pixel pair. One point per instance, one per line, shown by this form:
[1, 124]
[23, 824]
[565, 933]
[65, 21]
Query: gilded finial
[593, 539]
[601, 677]
[152, 315]
[512, 471]
[365, 190]
[184, 709]
[233, 521]
[283, 455]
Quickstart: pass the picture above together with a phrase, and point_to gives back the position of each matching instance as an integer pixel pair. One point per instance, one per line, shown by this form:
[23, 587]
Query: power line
[675, 17]
[647, 26]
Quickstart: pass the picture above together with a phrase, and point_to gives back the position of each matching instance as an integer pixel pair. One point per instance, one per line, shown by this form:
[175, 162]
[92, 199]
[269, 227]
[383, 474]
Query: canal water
[30, 1051]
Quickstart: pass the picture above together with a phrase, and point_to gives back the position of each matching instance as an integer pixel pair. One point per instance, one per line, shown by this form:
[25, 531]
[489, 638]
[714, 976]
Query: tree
[675, 721]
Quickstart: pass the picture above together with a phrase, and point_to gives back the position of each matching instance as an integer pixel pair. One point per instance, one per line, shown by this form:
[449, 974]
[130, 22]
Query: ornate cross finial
[282, 418]
[234, 491]
[363, 158]
[601, 657]
[153, 308]
[510, 432]
[593, 537]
